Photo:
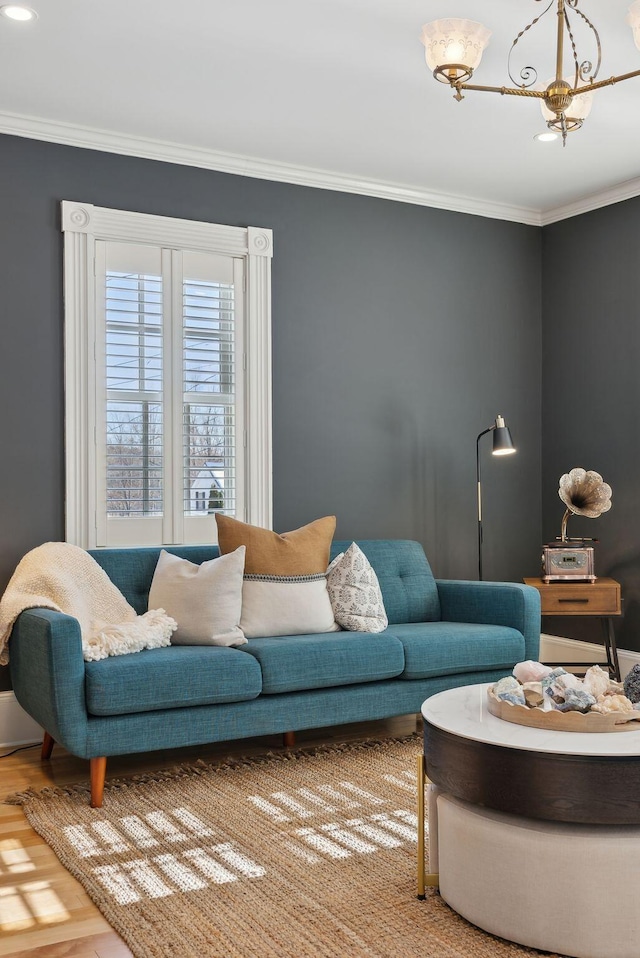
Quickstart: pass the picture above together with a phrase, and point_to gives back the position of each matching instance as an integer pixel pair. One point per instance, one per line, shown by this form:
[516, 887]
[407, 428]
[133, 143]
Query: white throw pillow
[286, 605]
[205, 600]
[355, 593]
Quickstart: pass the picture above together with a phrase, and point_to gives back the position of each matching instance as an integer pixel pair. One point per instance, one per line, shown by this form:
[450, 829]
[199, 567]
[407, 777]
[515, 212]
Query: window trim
[82, 225]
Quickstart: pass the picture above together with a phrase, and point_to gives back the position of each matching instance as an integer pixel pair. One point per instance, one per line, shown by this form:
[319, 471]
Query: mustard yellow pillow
[284, 591]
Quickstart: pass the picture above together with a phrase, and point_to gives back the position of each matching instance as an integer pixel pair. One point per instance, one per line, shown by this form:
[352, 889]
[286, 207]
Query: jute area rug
[290, 855]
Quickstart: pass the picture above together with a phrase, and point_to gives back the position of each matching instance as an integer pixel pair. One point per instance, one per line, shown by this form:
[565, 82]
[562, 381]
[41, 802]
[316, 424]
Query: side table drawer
[568, 599]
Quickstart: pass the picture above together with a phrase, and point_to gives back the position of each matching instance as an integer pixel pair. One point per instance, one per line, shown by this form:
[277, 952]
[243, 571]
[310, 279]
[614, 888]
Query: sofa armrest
[47, 674]
[494, 603]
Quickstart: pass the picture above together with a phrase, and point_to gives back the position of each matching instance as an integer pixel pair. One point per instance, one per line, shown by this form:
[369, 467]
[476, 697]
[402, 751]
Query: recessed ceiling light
[546, 137]
[14, 12]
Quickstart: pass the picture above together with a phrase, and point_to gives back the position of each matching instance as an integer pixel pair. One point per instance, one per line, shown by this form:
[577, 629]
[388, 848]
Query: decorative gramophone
[584, 494]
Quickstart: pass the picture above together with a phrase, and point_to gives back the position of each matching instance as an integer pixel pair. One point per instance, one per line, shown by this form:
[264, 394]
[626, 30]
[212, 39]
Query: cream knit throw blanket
[65, 578]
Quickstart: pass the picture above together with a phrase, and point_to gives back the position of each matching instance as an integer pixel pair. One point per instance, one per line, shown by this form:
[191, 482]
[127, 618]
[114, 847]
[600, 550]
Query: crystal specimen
[596, 681]
[507, 684]
[612, 703]
[533, 694]
[577, 700]
[530, 671]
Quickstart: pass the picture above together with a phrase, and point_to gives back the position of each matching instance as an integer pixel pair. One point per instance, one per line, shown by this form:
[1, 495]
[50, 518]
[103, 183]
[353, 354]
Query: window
[167, 371]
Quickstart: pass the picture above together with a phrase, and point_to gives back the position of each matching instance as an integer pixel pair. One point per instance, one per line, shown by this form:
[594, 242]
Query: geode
[632, 684]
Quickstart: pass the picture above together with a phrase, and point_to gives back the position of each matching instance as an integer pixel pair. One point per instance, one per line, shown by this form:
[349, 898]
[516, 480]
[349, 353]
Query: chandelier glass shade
[453, 50]
[633, 19]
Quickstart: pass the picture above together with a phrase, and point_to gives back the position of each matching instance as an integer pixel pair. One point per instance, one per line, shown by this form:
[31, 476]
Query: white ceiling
[325, 91]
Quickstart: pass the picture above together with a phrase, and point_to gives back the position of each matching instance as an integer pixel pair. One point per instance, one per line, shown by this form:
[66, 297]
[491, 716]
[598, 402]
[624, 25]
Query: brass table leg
[424, 879]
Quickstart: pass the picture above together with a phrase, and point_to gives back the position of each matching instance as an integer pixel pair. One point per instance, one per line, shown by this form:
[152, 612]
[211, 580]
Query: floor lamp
[502, 446]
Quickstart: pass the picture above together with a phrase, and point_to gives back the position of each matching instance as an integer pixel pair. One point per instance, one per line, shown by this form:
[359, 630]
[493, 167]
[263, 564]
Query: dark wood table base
[591, 790]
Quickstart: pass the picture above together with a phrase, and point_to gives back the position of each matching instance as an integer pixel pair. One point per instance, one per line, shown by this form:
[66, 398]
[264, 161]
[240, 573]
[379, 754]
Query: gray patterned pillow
[355, 593]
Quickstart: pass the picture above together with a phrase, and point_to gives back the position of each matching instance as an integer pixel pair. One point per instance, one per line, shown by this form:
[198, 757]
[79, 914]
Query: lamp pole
[502, 446]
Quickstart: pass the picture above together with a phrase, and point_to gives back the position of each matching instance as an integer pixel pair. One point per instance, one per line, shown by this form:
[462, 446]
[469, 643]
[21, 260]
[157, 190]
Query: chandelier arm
[528, 71]
[541, 94]
[503, 90]
[585, 69]
[599, 84]
[574, 52]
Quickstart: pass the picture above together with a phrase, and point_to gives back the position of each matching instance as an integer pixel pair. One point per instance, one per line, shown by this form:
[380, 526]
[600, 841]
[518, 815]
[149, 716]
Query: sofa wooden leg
[98, 771]
[289, 739]
[47, 746]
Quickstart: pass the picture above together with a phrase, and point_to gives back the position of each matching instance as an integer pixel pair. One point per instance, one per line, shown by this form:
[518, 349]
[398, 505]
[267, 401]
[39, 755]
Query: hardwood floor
[44, 911]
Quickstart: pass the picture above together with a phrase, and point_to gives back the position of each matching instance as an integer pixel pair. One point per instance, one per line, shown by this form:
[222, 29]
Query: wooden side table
[600, 599]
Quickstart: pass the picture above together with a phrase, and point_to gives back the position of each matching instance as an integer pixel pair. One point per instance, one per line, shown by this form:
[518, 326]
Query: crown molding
[616, 194]
[165, 151]
[91, 138]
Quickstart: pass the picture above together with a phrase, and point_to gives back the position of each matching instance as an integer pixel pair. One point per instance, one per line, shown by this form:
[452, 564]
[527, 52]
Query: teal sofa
[441, 634]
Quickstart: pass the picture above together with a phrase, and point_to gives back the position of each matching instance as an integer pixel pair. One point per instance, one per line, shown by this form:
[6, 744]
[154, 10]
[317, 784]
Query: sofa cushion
[170, 678]
[448, 648]
[295, 662]
[408, 587]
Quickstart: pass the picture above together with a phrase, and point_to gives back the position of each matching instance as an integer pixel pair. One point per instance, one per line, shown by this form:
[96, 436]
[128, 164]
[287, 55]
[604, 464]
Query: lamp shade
[579, 108]
[502, 442]
[454, 46]
[633, 19]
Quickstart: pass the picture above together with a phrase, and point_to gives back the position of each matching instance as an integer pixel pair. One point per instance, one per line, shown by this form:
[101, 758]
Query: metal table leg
[611, 647]
[424, 879]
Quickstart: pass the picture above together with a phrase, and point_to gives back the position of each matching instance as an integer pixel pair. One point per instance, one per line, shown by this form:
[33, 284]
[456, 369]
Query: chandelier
[454, 48]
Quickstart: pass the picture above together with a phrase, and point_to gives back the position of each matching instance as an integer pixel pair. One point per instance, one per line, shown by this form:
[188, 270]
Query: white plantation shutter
[158, 342]
[130, 430]
[167, 393]
[212, 400]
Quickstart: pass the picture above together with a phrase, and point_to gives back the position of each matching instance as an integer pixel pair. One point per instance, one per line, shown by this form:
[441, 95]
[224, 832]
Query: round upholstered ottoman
[572, 889]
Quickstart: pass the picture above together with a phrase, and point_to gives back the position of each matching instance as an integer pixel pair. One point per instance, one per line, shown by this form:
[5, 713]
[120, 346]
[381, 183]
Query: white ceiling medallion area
[165, 151]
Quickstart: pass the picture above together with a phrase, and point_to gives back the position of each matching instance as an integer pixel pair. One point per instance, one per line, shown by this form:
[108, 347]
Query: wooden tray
[562, 721]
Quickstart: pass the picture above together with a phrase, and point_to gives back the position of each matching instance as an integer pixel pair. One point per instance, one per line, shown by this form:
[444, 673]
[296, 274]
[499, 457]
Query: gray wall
[591, 389]
[399, 332]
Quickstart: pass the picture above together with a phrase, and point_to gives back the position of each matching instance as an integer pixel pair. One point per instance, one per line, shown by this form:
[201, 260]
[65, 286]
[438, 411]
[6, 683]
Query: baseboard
[558, 648]
[16, 727]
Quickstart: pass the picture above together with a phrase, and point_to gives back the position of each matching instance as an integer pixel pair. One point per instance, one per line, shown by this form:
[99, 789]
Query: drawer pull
[582, 601]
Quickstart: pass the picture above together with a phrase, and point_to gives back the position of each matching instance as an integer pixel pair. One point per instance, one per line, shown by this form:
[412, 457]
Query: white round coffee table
[534, 834]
